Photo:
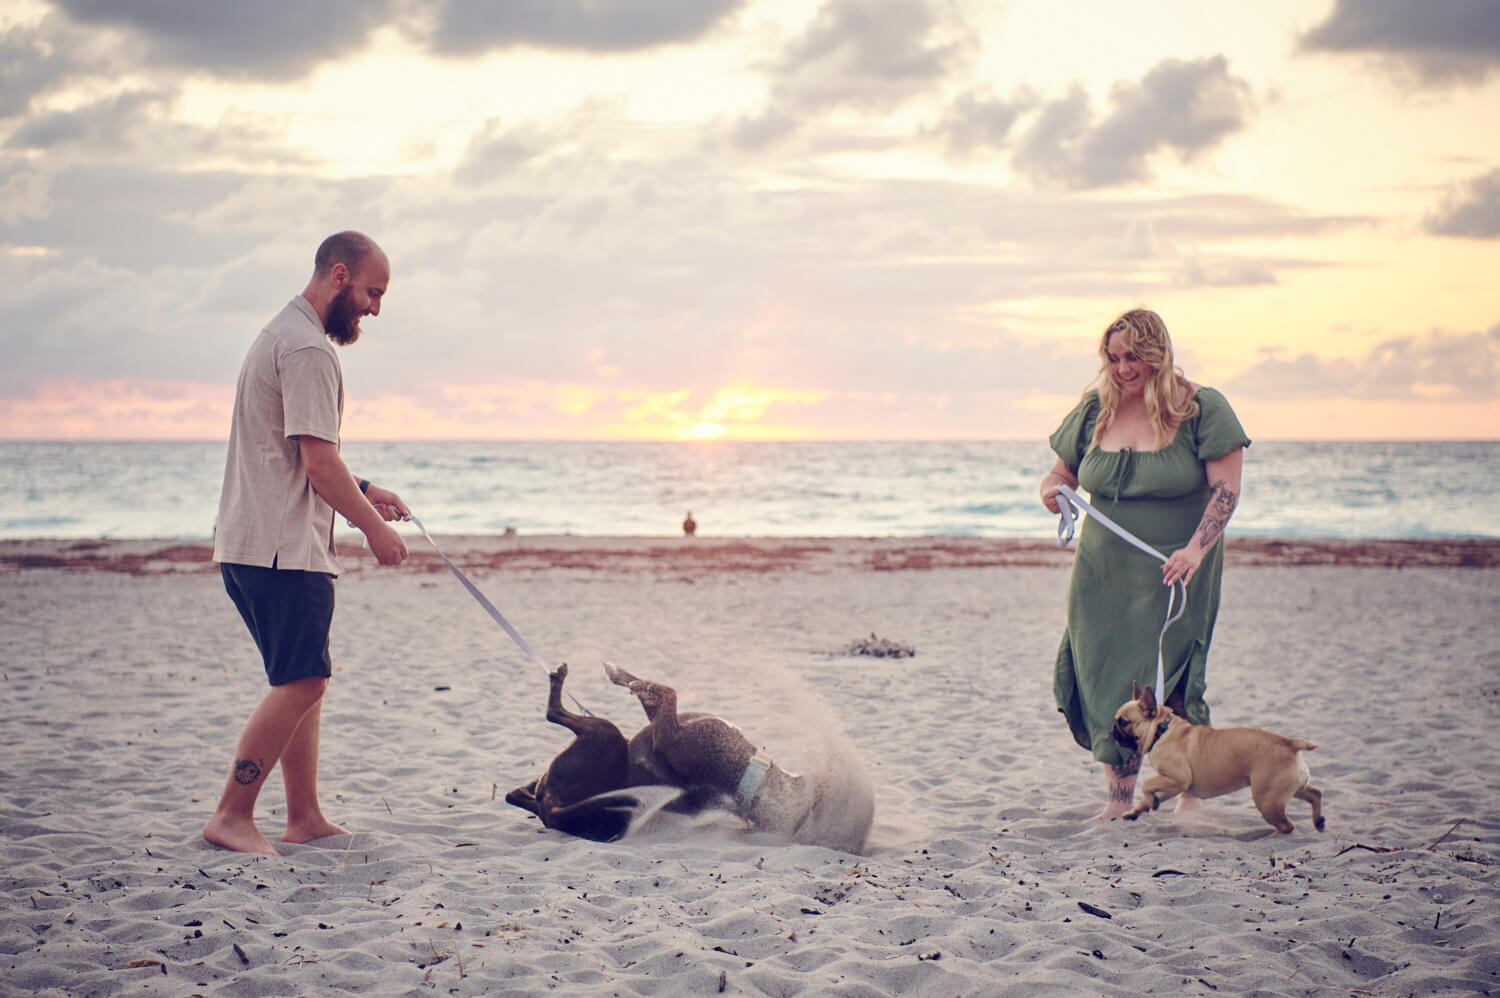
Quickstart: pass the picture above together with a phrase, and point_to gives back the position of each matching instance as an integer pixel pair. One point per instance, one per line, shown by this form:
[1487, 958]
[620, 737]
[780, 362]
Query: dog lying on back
[1207, 762]
[587, 788]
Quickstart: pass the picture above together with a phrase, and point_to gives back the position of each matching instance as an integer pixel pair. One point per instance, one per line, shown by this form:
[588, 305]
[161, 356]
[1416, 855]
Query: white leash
[1072, 506]
[491, 610]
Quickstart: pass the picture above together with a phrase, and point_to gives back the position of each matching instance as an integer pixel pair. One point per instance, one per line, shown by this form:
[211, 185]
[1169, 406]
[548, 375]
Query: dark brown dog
[591, 789]
[1207, 762]
[705, 753]
[567, 796]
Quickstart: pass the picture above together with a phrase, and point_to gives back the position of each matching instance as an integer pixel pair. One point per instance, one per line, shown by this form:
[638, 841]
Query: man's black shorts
[289, 614]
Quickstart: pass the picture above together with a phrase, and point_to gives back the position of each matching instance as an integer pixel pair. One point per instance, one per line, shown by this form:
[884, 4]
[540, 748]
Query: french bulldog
[1207, 762]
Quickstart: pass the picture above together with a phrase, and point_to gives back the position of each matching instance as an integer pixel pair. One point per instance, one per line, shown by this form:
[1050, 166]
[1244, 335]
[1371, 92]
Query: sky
[754, 219]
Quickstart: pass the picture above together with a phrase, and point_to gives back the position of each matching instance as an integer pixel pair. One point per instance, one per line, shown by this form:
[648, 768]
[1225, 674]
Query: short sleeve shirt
[290, 385]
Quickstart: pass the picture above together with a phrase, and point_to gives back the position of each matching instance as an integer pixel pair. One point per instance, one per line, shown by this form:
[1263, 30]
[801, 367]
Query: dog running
[1208, 762]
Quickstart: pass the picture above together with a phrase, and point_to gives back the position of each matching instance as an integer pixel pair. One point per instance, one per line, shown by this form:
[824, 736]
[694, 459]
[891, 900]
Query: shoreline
[704, 556]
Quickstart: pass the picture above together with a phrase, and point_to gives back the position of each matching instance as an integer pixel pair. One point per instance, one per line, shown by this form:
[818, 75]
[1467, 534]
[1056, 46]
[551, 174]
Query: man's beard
[342, 324]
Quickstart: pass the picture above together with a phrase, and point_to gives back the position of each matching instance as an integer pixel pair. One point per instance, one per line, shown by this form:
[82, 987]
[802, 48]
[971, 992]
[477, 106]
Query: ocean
[743, 489]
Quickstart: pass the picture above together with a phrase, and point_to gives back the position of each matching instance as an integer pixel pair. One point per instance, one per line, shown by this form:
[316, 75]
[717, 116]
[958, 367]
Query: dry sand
[126, 676]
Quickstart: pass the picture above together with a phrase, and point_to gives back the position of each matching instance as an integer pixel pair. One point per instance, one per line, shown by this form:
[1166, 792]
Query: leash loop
[1072, 506]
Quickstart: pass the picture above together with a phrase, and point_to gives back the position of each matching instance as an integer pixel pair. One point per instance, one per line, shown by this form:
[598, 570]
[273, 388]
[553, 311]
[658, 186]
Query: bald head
[349, 277]
[349, 248]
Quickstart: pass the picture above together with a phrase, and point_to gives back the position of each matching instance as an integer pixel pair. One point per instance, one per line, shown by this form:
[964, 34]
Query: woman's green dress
[1116, 601]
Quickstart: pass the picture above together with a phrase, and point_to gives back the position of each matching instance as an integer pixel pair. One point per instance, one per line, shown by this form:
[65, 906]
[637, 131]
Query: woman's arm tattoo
[1221, 504]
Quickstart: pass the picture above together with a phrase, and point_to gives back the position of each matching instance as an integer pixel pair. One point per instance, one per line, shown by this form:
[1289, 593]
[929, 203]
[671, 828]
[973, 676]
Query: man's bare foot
[1187, 803]
[240, 835]
[320, 828]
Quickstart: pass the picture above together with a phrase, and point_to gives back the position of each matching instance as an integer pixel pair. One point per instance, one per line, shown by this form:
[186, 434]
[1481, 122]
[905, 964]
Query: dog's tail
[1302, 744]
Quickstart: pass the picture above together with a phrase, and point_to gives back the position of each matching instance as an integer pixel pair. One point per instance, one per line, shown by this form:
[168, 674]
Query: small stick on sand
[1361, 845]
[352, 832]
[1443, 836]
[387, 804]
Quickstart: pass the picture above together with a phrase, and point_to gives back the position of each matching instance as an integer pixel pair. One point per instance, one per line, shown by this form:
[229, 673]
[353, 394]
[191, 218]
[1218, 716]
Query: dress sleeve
[1218, 428]
[1070, 441]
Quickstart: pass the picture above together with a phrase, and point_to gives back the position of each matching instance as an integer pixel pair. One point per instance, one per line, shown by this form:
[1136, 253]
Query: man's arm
[333, 482]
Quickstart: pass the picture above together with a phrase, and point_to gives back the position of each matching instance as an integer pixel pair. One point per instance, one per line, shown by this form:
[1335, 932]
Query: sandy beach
[127, 674]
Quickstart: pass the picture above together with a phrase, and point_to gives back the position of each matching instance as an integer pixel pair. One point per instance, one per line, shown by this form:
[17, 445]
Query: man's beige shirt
[291, 385]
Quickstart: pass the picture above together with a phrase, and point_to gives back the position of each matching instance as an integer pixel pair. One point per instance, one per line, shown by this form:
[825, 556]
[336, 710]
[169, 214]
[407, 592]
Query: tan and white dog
[1207, 762]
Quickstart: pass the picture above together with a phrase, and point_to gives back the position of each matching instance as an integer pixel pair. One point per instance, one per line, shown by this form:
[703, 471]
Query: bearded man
[283, 483]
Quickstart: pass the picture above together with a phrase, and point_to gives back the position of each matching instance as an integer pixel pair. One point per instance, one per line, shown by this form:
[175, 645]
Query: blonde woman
[1161, 457]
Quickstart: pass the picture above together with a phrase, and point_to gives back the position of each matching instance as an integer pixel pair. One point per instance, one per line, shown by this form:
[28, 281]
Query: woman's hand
[1059, 475]
[1183, 564]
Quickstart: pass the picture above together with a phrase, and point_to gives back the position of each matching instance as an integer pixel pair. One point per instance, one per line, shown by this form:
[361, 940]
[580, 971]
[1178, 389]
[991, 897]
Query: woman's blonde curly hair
[1145, 335]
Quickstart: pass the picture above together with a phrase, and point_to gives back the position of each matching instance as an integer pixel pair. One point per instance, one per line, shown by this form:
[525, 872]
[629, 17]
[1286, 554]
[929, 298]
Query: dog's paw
[560, 673]
[1131, 815]
[1319, 823]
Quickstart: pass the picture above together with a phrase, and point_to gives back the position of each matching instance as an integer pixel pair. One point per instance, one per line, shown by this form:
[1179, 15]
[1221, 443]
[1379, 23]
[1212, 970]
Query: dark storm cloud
[1441, 41]
[1185, 108]
[1474, 212]
[266, 39]
[471, 26]
[1449, 367]
[861, 56]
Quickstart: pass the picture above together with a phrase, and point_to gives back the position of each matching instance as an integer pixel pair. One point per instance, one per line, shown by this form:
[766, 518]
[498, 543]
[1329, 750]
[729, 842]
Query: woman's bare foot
[1119, 785]
[238, 834]
[319, 828]
[1114, 810]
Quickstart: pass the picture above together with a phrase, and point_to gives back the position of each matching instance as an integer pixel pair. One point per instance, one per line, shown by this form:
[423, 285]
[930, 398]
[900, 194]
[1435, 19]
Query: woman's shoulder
[1216, 427]
[1209, 398]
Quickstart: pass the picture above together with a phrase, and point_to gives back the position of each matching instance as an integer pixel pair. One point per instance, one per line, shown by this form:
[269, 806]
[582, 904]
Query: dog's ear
[1147, 698]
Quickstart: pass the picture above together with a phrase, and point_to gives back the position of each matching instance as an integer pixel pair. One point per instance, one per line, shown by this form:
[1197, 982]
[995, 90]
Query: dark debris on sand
[877, 648]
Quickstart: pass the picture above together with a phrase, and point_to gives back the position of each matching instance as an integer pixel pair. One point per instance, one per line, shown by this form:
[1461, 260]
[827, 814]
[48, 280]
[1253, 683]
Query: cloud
[862, 57]
[979, 120]
[33, 61]
[1439, 42]
[25, 194]
[1473, 212]
[1448, 367]
[470, 26]
[267, 39]
[138, 126]
[111, 124]
[1186, 108]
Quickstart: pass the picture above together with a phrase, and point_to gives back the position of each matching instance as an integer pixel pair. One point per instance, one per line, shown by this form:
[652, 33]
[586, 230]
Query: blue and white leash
[1072, 506]
[491, 610]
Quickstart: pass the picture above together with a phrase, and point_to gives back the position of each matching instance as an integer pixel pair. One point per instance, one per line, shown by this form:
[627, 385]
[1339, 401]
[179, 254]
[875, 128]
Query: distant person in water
[689, 525]
[283, 482]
